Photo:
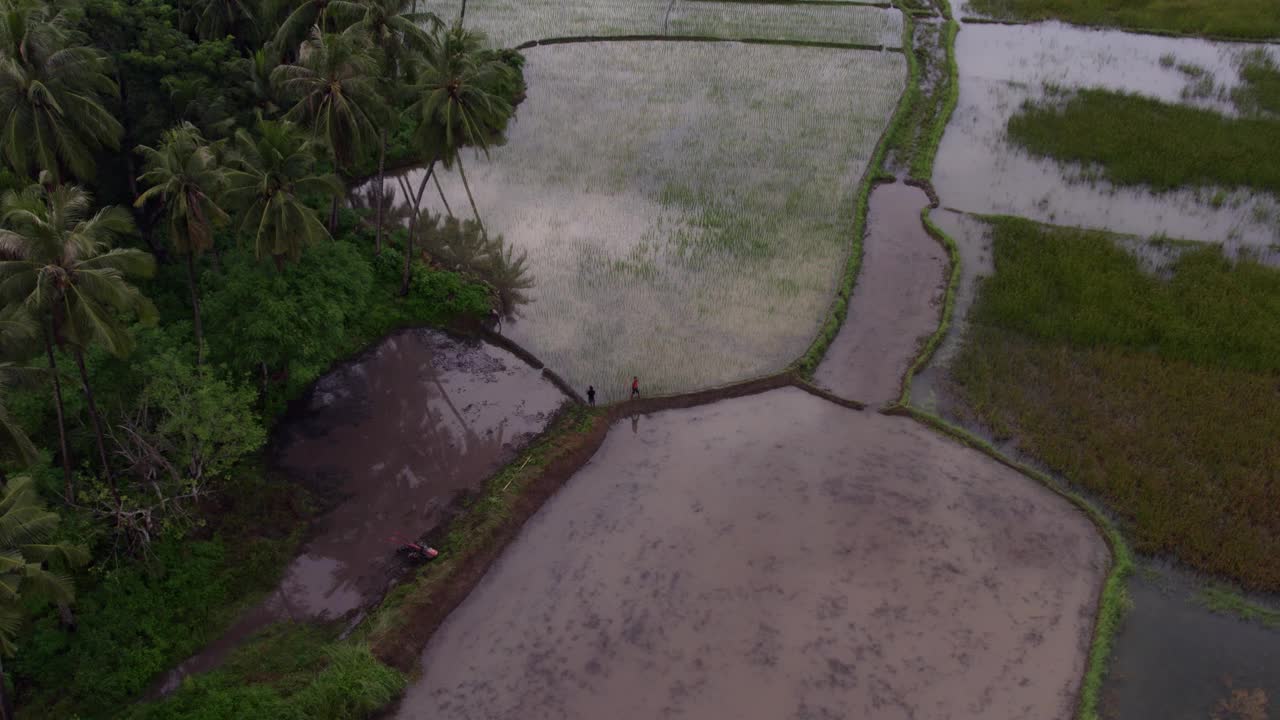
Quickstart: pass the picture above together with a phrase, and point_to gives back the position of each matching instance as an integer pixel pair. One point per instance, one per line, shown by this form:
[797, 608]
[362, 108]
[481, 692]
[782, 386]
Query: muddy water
[773, 557]
[972, 237]
[895, 304]
[978, 170]
[393, 436]
[1175, 660]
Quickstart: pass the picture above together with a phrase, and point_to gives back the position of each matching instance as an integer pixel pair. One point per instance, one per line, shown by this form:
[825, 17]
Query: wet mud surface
[390, 439]
[1174, 659]
[777, 556]
[896, 302]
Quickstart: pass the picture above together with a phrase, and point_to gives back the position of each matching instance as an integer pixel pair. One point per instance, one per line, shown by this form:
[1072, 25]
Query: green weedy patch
[1133, 140]
[1246, 19]
[1157, 395]
[1224, 600]
[948, 306]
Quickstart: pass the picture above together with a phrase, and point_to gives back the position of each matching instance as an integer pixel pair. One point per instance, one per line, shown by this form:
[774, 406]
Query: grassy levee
[1223, 600]
[839, 308]
[949, 95]
[948, 306]
[1237, 19]
[1156, 395]
[1113, 600]
[1133, 140]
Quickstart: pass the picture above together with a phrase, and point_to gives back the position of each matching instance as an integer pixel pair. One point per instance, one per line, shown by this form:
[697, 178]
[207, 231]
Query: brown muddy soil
[895, 303]
[390, 438]
[777, 556]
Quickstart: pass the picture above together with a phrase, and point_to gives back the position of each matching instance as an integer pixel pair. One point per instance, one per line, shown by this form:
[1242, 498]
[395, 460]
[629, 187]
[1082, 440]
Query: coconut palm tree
[52, 93]
[335, 92]
[216, 19]
[328, 15]
[186, 177]
[274, 170]
[68, 275]
[32, 566]
[397, 29]
[464, 100]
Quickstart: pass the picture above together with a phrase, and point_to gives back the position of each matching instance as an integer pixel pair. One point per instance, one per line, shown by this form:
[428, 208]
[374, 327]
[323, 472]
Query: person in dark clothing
[635, 387]
[591, 394]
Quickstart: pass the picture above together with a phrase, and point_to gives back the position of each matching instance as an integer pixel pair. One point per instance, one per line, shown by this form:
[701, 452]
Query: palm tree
[216, 19]
[335, 92]
[396, 28]
[185, 177]
[464, 99]
[325, 14]
[68, 275]
[274, 171]
[52, 93]
[32, 565]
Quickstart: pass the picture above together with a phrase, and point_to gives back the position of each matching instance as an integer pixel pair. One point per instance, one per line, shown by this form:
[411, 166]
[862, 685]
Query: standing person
[635, 387]
[591, 394]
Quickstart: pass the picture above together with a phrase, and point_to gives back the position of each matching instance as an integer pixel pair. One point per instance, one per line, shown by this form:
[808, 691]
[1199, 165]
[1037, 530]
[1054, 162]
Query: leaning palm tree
[186, 177]
[273, 171]
[335, 92]
[52, 93]
[463, 99]
[68, 275]
[459, 102]
[396, 29]
[32, 565]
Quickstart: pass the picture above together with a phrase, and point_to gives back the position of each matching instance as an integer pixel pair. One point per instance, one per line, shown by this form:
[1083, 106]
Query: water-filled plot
[980, 170]
[777, 556]
[687, 208]
[511, 22]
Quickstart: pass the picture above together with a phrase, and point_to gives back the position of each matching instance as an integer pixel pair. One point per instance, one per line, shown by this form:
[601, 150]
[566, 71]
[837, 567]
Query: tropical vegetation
[176, 263]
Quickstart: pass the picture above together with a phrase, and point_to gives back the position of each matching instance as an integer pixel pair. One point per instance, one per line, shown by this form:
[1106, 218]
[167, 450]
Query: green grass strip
[1224, 600]
[948, 306]
[839, 309]
[1113, 601]
[922, 162]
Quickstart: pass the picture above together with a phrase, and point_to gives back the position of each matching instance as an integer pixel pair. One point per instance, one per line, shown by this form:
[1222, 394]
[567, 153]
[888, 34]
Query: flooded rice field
[777, 556]
[686, 207]
[512, 22]
[1174, 659]
[391, 438]
[1001, 67]
[896, 302]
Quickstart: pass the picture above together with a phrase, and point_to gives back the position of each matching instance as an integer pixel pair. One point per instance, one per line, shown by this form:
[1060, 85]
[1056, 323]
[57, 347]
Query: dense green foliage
[1156, 394]
[166, 168]
[1134, 140]
[1253, 19]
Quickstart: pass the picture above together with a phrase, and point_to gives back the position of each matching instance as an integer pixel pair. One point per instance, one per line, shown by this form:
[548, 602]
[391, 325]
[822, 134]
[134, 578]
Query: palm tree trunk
[443, 201]
[333, 215]
[462, 171]
[6, 703]
[69, 494]
[413, 222]
[195, 306]
[382, 175]
[97, 422]
[462, 15]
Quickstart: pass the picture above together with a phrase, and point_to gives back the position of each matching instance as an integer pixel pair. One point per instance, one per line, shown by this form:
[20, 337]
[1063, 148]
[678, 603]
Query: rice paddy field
[513, 22]
[981, 168]
[687, 208]
[1245, 19]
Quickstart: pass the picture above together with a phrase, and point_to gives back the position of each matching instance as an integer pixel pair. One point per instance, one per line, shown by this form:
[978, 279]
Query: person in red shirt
[635, 387]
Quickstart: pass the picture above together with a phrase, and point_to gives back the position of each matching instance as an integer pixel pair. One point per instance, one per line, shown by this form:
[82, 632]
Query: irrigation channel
[753, 550]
